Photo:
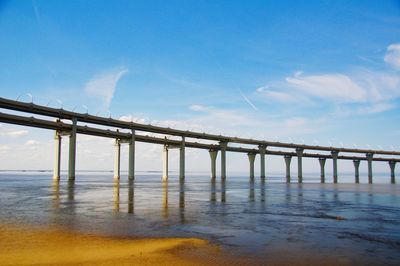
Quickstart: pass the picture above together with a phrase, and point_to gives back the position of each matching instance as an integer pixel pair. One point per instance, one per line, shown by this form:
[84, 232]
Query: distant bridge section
[68, 123]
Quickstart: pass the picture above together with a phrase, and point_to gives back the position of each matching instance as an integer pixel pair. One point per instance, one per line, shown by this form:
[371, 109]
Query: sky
[316, 72]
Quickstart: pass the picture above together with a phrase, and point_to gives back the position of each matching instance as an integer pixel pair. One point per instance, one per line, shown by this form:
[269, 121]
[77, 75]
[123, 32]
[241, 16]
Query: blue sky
[299, 71]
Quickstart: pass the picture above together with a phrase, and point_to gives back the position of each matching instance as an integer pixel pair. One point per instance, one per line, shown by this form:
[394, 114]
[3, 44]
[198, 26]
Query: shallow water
[358, 224]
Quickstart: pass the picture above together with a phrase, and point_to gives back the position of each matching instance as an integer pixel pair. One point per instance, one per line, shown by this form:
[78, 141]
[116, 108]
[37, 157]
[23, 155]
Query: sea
[358, 224]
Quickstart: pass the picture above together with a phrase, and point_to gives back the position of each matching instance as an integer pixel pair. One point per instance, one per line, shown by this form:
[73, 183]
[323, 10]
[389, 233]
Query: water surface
[360, 224]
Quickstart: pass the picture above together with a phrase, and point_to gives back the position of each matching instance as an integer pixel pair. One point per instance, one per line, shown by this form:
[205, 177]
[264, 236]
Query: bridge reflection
[172, 197]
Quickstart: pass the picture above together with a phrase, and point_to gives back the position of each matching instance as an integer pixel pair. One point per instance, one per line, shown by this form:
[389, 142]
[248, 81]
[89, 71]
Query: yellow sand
[22, 246]
[27, 245]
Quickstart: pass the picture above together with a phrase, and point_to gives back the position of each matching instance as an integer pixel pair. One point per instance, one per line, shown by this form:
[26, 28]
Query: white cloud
[198, 108]
[4, 148]
[32, 142]
[13, 133]
[103, 86]
[375, 108]
[278, 96]
[392, 56]
[336, 87]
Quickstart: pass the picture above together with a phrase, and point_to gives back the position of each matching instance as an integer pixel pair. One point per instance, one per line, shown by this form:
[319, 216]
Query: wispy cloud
[361, 92]
[13, 133]
[198, 108]
[392, 56]
[329, 86]
[103, 86]
[274, 95]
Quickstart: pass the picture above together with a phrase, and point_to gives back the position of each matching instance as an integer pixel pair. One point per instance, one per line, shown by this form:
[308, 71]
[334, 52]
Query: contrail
[36, 11]
[247, 100]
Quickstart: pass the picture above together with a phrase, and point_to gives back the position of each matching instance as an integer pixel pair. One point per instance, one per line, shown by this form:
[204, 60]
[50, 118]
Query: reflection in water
[71, 190]
[251, 190]
[262, 192]
[55, 194]
[213, 194]
[300, 216]
[116, 195]
[182, 200]
[165, 198]
[223, 188]
[131, 195]
[288, 196]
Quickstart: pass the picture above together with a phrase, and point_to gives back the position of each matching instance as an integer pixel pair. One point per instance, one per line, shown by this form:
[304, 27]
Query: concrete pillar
[165, 163]
[288, 158]
[322, 164]
[263, 150]
[335, 155]
[117, 159]
[182, 159]
[252, 157]
[57, 155]
[369, 160]
[223, 146]
[392, 165]
[299, 152]
[72, 151]
[131, 158]
[213, 156]
[356, 171]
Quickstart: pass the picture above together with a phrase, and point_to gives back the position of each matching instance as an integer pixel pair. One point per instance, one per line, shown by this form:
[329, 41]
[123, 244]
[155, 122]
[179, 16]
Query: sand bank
[31, 246]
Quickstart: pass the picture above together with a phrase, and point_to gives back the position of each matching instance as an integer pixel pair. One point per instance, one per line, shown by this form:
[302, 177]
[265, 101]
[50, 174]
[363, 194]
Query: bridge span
[68, 123]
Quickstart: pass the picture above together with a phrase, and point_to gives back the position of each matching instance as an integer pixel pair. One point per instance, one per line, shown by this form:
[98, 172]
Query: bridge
[68, 124]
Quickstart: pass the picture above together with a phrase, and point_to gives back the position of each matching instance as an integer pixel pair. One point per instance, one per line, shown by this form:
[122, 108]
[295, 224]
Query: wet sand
[27, 245]
[40, 246]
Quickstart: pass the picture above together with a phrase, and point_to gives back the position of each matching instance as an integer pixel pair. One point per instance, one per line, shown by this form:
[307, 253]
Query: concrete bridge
[68, 124]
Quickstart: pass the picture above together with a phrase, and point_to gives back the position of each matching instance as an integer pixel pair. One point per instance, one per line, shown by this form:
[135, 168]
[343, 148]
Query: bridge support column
[213, 156]
[299, 152]
[356, 171]
[369, 160]
[392, 165]
[182, 159]
[72, 151]
[223, 146]
[335, 155]
[131, 158]
[322, 165]
[263, 150]
[117, 159]
[165, 163]
[252, 157]
[288, 159]
[57, 155]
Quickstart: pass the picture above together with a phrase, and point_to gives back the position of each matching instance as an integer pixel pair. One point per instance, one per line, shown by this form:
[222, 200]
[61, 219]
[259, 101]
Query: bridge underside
[129, 135]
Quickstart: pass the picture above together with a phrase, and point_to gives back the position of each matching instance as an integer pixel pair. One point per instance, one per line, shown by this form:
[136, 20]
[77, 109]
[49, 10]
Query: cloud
[198, 108]
[336, 87]
[4, 148]
[13, 133]
[131, 118]
[392, 56]
[375, 108]
[32, 142]
[103, 86]
[277, 96]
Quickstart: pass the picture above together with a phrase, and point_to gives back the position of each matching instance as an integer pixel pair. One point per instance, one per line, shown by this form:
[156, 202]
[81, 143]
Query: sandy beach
[21, 245]
[27, 245]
